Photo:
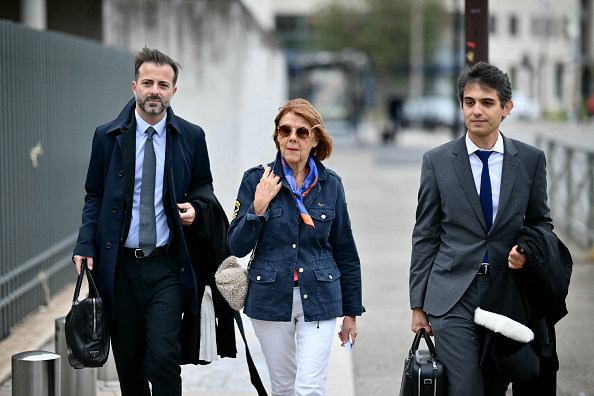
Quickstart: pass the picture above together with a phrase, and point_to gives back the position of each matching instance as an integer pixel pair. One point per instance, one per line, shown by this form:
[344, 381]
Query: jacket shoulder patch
[237, 205]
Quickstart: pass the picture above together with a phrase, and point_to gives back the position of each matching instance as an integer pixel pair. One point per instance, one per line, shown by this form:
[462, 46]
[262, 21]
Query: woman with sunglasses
[305, 271]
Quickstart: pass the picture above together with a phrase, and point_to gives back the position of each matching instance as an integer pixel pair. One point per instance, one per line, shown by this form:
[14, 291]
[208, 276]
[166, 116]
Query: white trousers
[296, 352]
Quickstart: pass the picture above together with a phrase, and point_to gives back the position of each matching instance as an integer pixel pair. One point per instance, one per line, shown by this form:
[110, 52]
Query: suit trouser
[458, 343]
[145, 334]
[458, 346]
[296, 352]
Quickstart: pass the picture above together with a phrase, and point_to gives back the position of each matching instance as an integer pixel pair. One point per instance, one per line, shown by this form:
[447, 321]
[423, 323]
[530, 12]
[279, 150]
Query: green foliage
[380, 28]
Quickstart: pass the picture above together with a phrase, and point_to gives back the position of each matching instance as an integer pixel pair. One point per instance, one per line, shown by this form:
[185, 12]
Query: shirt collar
[498, 147]
[142, 125]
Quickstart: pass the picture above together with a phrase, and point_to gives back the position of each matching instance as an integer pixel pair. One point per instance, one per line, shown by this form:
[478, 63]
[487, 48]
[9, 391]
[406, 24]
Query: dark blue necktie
[485, 193]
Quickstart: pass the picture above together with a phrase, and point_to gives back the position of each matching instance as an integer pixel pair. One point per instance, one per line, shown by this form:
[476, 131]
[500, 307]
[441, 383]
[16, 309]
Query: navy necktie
[485, 192]
[147, 236]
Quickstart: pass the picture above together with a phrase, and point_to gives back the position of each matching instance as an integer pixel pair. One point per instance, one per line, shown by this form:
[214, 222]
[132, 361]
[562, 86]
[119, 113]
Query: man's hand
[349, 326]
[187, 215]
[420, 320]
[78, 262]
[516, 258]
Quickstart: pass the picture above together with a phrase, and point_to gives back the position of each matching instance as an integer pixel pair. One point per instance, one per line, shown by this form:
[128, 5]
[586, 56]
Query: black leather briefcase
[87, 332]
[423, 373]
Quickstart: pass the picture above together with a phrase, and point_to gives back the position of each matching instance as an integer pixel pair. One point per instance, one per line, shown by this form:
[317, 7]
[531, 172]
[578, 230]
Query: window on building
[533, 29]
[11, 10]
[536, 26]
[559, 71]
[513, 71]
[513, 25]
[550, 27]
[292, 29]
[493, 24]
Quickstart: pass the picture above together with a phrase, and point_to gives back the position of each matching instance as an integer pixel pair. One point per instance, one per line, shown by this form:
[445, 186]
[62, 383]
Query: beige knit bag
[232, 281]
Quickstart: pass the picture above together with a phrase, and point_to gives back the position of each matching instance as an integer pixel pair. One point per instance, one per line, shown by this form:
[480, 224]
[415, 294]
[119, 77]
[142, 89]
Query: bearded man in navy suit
[144, 289]
[476, 194]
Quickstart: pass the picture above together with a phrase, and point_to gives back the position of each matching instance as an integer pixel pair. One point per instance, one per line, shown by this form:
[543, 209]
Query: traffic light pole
[476, 18]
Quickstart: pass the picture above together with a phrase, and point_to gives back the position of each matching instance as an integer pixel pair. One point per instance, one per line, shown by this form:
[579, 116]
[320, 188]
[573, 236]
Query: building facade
[538, 43]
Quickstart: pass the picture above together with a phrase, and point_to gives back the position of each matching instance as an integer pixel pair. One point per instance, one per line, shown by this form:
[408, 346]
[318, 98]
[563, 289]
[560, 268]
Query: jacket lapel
[511, 163]
[461, 165]
[127, 141]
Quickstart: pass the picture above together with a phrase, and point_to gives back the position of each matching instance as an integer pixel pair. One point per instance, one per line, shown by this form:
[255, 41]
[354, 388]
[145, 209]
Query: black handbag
[423, 373]
[87, 333]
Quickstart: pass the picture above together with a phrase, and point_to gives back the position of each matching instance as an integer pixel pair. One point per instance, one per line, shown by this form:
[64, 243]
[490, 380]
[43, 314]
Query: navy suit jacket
[450, 235]
[110, 187]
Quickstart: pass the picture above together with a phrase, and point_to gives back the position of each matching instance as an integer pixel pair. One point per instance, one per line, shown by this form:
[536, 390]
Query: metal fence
[570, 170]
[56, 90]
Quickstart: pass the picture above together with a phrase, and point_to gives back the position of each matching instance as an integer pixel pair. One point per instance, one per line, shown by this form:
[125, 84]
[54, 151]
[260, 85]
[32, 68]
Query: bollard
[75, 382]
[36, 373]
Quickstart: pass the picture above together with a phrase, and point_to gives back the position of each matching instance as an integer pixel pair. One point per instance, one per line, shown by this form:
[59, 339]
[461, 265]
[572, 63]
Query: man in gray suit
[476, 194]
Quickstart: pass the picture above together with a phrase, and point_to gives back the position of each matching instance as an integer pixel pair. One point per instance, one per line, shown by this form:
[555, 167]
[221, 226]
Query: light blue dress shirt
[159, 142]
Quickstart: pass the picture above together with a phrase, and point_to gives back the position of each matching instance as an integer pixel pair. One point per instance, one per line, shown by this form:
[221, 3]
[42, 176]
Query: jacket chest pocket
[322, 218]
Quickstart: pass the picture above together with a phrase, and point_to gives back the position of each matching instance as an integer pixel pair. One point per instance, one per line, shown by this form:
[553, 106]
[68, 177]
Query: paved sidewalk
[224, 377]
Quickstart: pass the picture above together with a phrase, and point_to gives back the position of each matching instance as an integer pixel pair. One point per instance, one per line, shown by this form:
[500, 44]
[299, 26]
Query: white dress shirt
[495, 168]
[159, 142]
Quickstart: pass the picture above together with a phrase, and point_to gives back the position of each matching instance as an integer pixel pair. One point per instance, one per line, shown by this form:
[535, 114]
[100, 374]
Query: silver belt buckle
[484, 270]
[138, 253]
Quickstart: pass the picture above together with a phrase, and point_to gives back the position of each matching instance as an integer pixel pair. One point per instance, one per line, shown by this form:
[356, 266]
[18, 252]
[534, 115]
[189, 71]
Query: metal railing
[570, 170]
[56, 90]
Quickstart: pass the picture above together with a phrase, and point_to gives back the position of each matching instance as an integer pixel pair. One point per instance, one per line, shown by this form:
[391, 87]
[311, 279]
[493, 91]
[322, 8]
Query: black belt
[295, 283]
[137, 253]
[484, 269]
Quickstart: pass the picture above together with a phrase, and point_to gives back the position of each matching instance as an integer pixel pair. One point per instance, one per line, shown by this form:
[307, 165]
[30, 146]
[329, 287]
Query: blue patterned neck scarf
[310, 180]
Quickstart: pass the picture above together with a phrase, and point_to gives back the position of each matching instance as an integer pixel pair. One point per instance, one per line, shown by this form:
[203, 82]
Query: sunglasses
[285, 131]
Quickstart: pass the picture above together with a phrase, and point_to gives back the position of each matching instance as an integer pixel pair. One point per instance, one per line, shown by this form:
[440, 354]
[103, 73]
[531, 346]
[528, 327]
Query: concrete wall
[233, 79]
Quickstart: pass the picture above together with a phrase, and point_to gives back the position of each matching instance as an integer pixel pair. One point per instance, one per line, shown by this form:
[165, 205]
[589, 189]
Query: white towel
[208, 337]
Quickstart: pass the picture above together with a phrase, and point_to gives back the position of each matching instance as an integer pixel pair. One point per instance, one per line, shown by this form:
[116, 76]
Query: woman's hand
[266, 190]
[349, 326]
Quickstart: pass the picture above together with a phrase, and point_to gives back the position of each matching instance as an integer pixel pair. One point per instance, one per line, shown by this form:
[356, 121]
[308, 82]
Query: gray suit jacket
[450, 235]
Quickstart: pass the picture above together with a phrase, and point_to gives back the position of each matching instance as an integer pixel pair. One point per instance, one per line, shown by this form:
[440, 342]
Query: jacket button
[294, 246]
[475, 267]
[301, 270]
[258, 277]
[488, 240]
[121, 173]
[114, 209]
[108, 245]
[330, 276]
[323, 217]
[304, 296]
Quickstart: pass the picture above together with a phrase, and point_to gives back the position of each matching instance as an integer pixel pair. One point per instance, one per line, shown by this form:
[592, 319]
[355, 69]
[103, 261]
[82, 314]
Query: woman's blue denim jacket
[325, 257]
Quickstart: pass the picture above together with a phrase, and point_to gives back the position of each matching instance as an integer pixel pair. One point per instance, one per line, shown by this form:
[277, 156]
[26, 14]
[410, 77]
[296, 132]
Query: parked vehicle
[525, 108]
[431, 111]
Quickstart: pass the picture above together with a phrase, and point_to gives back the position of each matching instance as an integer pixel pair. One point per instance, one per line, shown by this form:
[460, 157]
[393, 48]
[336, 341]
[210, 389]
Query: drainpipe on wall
[34, 13]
